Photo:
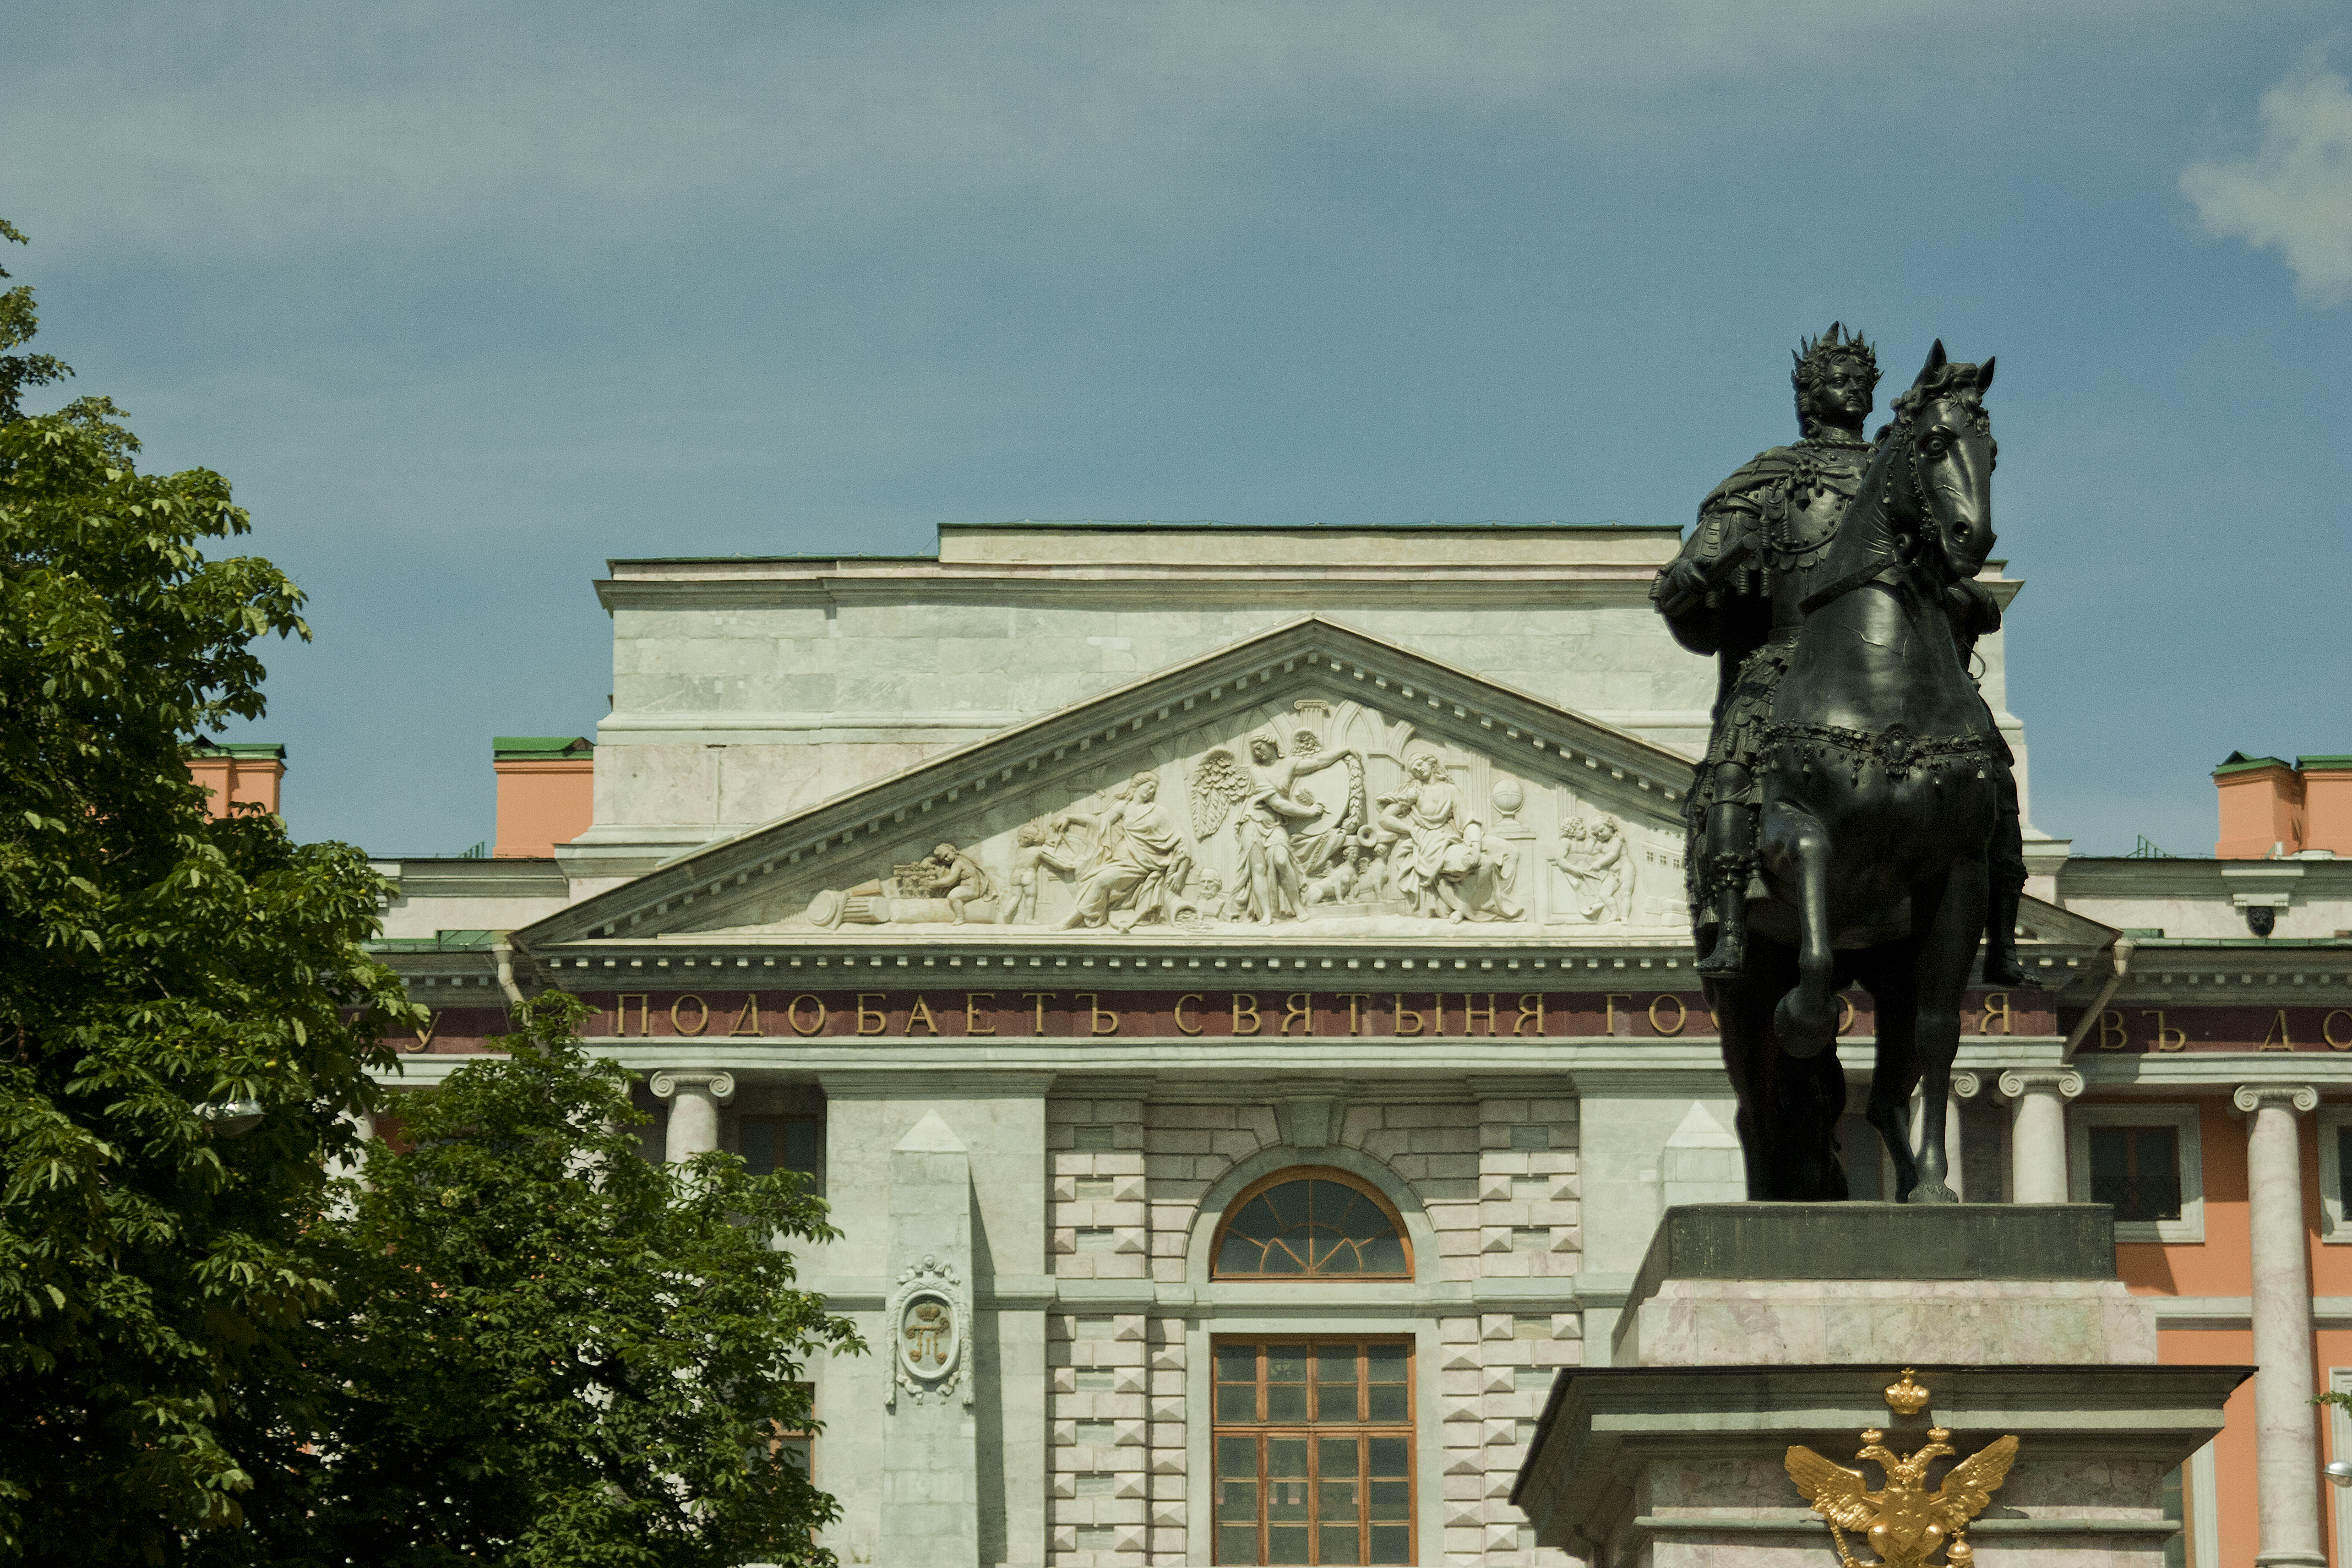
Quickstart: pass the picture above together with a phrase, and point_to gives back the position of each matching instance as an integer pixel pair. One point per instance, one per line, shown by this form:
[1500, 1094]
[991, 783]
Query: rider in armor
[1735, 592]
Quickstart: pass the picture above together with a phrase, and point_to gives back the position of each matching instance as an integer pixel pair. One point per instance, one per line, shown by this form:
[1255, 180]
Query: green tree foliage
[17, 325]
[559, 1352]
[156, 1283]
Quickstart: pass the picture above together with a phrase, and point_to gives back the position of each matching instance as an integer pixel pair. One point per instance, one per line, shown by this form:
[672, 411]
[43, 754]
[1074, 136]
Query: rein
[1889, 571]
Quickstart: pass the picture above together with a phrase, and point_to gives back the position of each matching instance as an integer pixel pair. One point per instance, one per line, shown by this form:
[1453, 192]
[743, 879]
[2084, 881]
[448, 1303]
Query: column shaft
[2037, 1144]
[695, 1099]
[2286, 1428]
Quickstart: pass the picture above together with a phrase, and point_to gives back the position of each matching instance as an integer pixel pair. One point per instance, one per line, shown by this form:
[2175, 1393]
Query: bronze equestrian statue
[1799, 885]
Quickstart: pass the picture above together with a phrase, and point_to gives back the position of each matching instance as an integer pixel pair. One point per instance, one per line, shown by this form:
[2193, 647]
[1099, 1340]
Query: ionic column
[695, 1098]
[2037, 1131]
[2286, 1428]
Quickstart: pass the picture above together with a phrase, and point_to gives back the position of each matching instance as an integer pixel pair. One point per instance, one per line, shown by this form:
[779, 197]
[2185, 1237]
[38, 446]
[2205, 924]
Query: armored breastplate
[1800, 513]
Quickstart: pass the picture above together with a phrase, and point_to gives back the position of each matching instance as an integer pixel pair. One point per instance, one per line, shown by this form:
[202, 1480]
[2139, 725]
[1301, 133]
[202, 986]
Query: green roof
[2330, 763]
[268, 749]
[540, 748]
[2239, 763]
[441, 942]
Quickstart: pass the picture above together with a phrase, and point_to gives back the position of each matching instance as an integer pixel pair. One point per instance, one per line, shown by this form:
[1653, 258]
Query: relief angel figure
[1038, 848]
[1270, 803]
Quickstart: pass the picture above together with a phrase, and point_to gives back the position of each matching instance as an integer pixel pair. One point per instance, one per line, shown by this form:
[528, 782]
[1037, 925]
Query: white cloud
[2296, 192]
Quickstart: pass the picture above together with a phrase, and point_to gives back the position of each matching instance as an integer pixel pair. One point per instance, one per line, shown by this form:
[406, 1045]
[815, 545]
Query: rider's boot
[1730, 861]
[2005, 863]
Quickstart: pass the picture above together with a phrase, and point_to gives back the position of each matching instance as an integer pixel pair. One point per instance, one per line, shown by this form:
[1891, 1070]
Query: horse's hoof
[1722, 965]
[1932, 1192]
[1799, 1036]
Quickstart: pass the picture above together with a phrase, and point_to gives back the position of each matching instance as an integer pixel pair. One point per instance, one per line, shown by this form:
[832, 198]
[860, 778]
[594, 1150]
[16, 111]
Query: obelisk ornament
[1902, 1522]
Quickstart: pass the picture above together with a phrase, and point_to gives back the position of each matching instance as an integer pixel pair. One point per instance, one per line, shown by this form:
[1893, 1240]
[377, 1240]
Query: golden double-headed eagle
[1903, 1523]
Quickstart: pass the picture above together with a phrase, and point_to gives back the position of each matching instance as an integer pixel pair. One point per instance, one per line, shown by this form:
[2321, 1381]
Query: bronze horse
[1879, 801]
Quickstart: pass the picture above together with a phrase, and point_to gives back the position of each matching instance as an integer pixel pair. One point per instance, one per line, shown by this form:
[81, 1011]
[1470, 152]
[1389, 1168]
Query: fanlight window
[1318, 1225]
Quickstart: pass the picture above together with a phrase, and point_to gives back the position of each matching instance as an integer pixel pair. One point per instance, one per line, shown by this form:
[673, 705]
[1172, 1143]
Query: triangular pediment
[1310, 781]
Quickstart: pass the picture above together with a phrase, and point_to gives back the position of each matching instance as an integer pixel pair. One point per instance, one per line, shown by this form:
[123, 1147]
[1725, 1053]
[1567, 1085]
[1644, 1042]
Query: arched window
[1311, 1223]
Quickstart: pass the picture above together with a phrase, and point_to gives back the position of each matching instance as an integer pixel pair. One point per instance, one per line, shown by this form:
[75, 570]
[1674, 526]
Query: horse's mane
[1955, 380]
[1864, 546]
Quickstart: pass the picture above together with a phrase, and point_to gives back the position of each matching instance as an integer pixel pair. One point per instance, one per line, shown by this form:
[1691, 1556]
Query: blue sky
[467, 299]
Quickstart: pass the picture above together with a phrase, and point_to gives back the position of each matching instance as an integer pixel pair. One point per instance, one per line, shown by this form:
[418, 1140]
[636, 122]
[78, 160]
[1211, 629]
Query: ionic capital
[2016, 1082]
[2249, 1096]
[1966, 1085]
[719, 1086]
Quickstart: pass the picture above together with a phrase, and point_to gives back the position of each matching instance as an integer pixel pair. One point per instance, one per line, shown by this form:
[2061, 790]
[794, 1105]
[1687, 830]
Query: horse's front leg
[1895, 1070]
[1946, 950]
[1798, 847]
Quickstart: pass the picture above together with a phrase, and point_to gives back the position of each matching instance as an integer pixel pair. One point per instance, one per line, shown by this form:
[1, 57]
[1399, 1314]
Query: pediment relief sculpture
[1321, 816]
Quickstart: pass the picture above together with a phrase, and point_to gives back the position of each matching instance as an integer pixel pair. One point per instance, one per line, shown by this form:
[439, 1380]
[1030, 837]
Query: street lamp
[2339, 1472]
[234, 1118]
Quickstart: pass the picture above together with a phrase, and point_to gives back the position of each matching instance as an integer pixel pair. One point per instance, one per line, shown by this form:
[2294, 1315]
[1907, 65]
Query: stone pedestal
[931, 1458]
[1753, 1327]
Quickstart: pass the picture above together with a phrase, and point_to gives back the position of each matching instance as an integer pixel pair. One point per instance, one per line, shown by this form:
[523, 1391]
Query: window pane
[2138, 1170]
[1257, 1220]
[759, 1145]
[2156, 1169]
[1341, 1496]
[1310, 1226]
[1339, 1545]
[1236, 1501]
[1385, 1373]
[1236, 1402]
[2110, 1163]
[801, 1143]
[2344, 1167]
[1335, 1378]
[1286, 1479]
[1239, 1254]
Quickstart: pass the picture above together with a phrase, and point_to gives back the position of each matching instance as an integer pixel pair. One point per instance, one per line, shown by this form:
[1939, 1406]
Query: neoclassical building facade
[1233, 988]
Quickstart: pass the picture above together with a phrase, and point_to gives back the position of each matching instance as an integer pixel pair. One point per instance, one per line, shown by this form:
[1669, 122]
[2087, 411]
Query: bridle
[1909, 562]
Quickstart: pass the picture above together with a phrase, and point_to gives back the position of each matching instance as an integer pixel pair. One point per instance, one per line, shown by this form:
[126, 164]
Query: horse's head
[1939, 481]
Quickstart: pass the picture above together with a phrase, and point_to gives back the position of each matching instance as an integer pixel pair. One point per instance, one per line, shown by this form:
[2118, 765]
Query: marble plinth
[1752, 1327]
[1876, 1323]
[1794, 1284]
[1683, 1466]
